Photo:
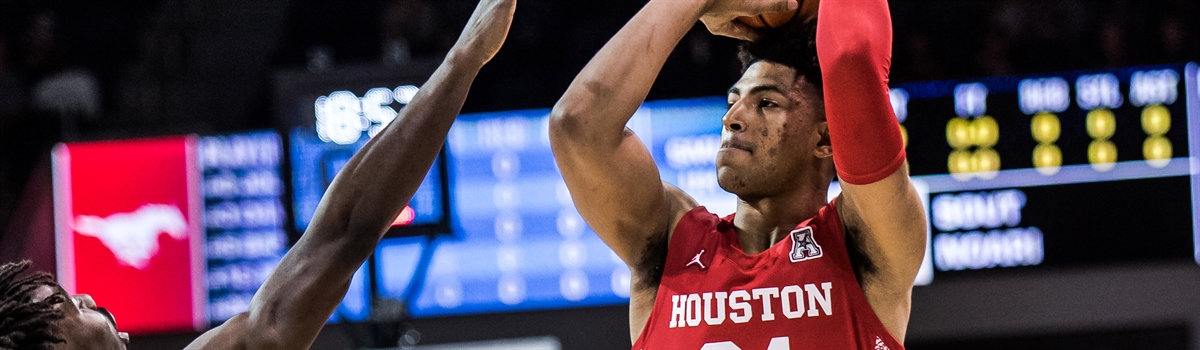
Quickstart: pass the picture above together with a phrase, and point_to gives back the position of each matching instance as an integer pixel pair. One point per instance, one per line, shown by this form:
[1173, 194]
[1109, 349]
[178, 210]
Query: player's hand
[485, 32]
[719, 15]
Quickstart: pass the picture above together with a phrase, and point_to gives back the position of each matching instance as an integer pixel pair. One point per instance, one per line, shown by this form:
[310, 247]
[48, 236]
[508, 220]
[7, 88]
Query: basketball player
[787, 270]
[311, 280]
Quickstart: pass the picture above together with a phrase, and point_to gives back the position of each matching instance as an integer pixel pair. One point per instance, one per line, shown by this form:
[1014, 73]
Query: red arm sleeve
[854, 47]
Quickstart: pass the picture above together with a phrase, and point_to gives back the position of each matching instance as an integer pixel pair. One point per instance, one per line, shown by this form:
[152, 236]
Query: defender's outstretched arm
[293, 305]
[854, 39]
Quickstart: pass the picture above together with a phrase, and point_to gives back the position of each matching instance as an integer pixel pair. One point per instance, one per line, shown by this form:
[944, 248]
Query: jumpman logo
[696, 260]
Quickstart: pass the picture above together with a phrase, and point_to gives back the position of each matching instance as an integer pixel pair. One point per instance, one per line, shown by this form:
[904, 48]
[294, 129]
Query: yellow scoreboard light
[972, 141]
[1047, 159]
[958, 133]
[1102, 154]
[1045, 127]
[1156, 120]
[1157, 150]
[986, 163]
[1101, 123]
[985, 132]
[959, 164]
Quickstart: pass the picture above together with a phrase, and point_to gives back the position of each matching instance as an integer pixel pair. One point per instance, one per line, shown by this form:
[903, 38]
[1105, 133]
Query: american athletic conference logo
[804, 247]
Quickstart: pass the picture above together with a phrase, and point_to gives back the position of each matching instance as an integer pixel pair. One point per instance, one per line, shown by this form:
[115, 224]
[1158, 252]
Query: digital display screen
[519, 244]
[1054, 169]
[316, 162]
[244, 217]
[129, 231]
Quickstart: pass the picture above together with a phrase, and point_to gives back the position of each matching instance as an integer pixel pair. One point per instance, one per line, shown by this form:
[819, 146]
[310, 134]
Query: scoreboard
[1057, 169]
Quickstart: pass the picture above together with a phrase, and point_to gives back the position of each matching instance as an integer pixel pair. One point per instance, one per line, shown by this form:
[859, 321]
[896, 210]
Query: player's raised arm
[610, 173]
[878, 202]
[296, 300]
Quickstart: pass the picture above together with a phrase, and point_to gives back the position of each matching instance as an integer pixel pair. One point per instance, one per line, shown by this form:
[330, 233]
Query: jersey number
[777, 343]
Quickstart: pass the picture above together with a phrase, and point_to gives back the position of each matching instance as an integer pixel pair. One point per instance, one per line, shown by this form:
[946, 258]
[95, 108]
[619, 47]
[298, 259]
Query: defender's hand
[485, 32]
[719, 15]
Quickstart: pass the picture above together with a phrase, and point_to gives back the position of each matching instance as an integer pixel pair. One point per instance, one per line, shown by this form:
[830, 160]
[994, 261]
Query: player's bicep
[616, 189]
[889, 215]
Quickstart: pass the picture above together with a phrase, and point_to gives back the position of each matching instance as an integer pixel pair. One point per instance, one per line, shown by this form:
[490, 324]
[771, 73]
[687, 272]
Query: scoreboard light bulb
[1102, 154]
[1101, 124]
[986, 162]
[958, 133]
[985, 132]
[1045, 127]
[960, 165]
[1157, 150]
[1156, 120]
[1047, 158]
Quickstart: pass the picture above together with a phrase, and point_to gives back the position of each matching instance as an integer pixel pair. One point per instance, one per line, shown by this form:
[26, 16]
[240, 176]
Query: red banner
[128, 230]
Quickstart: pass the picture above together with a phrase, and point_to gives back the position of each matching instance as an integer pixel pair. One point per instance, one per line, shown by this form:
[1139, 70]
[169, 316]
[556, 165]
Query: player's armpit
[890, 220]
[889, 225]
[615, 187]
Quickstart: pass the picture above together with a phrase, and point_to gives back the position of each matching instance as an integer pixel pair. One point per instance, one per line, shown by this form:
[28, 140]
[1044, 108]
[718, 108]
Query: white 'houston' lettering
[815, 297]
[693, 310]
[793, 307]
[688, 310]
[719, 316]
[743, 306]
[678, 309]
[766, 294]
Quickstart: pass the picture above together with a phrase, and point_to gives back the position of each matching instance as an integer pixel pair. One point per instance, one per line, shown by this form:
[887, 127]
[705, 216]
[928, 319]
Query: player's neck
[762, 222]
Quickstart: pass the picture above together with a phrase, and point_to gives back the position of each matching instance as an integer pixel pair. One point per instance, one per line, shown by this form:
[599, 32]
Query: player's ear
[824, 147]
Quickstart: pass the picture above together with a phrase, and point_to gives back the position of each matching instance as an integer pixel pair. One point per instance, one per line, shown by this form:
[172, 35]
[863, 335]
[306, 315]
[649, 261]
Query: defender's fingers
[737, 30]
[768, 6]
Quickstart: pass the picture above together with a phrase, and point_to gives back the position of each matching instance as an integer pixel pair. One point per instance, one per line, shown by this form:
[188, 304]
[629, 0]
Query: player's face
[774, 132]
[85, 325]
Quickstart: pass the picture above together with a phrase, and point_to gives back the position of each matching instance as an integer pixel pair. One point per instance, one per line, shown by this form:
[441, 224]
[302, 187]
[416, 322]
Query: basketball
[807, 10]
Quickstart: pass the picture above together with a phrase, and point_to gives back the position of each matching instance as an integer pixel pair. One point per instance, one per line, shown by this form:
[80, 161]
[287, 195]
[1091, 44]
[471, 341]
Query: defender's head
[46, 318]
[775, 137]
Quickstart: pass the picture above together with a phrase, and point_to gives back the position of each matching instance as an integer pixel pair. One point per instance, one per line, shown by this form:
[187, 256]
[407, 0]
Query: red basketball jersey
[799, 294]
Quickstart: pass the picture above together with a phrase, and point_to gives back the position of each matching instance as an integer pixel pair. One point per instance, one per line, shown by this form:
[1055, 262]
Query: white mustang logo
[133, 237]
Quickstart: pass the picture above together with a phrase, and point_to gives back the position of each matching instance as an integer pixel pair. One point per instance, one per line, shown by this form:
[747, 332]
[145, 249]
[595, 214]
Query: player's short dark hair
[26, 324]
[794, 45]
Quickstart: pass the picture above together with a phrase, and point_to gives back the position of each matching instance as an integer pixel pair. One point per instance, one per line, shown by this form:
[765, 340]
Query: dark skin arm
[612, 178]
[296, 300]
